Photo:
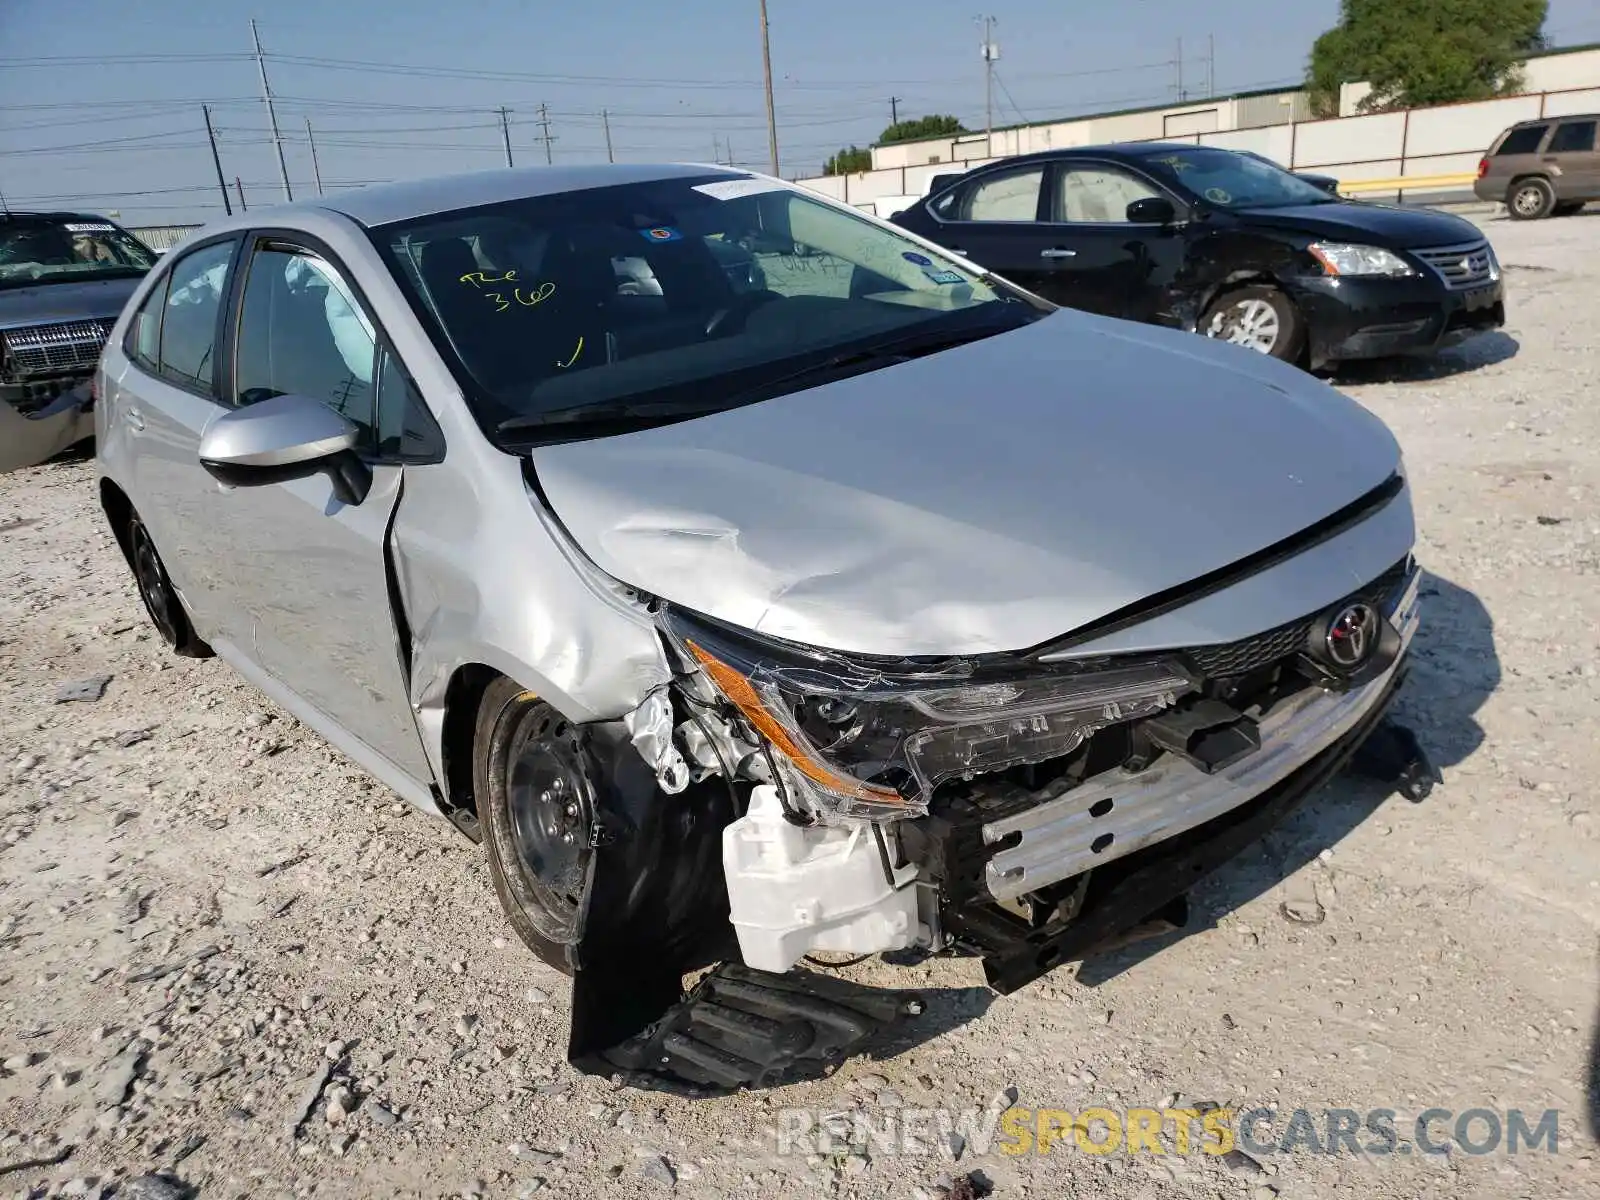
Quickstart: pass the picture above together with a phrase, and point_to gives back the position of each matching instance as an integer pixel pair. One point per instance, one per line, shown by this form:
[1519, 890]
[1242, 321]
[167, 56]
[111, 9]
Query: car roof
[1105, 150]
[1558, 117]
[37, 215]
[380, 204]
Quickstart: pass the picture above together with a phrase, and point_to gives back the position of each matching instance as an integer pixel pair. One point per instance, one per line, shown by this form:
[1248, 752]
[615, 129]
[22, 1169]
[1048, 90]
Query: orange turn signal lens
[742, 694]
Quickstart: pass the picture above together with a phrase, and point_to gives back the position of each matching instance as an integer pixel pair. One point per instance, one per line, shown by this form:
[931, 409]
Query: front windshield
[54, 249]
[684, 290]
[1232, 180]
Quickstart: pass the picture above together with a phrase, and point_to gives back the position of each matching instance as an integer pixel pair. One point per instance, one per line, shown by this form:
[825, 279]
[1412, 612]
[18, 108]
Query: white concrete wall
[1447, 140]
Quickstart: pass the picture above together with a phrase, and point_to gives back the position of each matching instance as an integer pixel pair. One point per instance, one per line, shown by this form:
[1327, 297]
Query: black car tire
[1290, 335]
[160, 599]
[1567, 209]
[1530, 199]
[536, 829]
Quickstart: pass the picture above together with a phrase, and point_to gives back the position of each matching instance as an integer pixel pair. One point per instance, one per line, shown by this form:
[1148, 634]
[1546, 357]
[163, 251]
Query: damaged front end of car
[1026, 808]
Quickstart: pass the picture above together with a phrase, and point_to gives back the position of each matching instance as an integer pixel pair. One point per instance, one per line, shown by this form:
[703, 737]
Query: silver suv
[863, 603]
[1542, 168]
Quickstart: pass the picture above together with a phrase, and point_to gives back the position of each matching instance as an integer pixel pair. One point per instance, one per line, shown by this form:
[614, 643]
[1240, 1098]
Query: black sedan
[1220, 243]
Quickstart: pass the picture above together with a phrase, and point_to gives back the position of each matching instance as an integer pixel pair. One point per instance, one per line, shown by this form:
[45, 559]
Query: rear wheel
[1258, 317]
[536, 805]
[160, 598]
[1530, 199]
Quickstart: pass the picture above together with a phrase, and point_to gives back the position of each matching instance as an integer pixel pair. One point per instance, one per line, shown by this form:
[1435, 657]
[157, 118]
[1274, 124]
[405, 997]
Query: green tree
[847, 161]
[1419, 52]
[921, 127]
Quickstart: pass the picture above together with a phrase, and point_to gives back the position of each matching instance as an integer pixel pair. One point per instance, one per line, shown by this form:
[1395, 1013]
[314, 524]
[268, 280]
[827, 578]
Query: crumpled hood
[74, 300]
[989, 497]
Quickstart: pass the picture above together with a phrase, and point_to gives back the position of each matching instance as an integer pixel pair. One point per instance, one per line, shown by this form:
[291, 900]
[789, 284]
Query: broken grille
[1466, 266]
[69, 346]
[1264, 649]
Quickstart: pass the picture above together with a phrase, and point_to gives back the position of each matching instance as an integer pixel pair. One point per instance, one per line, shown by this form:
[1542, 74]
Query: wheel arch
[119, 510]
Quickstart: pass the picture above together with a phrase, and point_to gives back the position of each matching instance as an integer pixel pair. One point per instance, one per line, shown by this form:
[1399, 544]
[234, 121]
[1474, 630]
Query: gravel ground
[231, 958]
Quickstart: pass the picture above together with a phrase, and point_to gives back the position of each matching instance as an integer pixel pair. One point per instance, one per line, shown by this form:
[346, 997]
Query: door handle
[1058, 252]
[135, 417]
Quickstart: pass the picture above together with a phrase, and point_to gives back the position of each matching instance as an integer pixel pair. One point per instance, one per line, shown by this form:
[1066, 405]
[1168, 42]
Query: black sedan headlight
[870, 739]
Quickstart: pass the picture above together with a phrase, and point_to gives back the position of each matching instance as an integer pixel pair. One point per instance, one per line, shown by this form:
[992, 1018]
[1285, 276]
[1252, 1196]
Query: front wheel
[1258, 317]
[536, 805]
[1530, 199]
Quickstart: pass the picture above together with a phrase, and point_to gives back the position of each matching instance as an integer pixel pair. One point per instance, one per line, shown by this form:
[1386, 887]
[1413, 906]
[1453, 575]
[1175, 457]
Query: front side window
[708, 290]
[1096, 193]
[48, 249]
[195, 291]
[1573, 137]
[302, 332]
[1231, 180]
[1523, 141]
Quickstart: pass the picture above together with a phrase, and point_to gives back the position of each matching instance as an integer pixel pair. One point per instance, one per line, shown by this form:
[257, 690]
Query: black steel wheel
[161, 601]
[536, 805]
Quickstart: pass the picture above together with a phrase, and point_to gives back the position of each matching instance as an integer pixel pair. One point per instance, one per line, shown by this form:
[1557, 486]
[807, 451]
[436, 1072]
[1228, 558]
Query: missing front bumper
[1119, 812]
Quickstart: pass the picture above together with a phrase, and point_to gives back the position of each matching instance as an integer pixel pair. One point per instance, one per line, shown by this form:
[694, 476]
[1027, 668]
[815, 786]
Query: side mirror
[1325, 183]
[1152, 210]
[285, 437]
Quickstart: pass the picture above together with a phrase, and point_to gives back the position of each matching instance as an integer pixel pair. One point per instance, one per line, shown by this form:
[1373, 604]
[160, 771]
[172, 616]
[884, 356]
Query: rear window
[1523, 141]
[1573, 137]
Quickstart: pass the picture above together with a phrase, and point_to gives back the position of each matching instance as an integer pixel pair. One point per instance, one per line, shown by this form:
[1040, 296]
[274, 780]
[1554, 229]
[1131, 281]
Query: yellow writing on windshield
[541, 293]
[480, 278]
[574, 358]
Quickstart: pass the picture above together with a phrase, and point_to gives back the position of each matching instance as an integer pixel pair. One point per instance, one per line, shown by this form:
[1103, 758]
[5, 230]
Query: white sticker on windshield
[732, 189]
[83, 227]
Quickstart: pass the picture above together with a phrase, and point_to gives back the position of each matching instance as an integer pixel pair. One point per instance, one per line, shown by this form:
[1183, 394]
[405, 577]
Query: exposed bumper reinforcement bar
[1162, 874]
[1064, 837]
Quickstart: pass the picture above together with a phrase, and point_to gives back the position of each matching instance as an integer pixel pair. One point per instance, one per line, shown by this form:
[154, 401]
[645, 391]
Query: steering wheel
[731, 318]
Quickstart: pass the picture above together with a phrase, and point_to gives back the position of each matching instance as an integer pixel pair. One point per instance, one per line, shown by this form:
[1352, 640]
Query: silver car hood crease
[987, 498]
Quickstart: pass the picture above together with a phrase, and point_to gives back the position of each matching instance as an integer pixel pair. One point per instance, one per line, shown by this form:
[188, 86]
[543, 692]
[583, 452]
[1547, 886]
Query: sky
[100, 100]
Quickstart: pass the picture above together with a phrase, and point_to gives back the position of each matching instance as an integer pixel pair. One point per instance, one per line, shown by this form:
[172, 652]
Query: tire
[1567, 209]
[1530, 199]
[1259, 317]
[161, 601]
[531, 777]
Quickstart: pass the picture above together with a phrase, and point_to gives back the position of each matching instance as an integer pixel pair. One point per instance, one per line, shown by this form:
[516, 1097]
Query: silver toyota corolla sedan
[760, 584]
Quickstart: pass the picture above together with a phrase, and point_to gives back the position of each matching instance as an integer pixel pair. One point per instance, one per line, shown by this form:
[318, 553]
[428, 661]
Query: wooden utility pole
[316, 171]
[766, 70]
[240, 188]
[505, 133]
[272, 113]
[216, 160]
[605, 119]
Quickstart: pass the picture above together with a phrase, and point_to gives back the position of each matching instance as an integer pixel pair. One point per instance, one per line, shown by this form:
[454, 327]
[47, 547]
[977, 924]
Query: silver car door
[161, 403]
[305, 571]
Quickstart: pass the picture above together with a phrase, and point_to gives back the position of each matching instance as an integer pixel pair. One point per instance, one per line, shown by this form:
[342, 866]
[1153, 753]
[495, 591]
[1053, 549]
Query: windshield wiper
[618, 417]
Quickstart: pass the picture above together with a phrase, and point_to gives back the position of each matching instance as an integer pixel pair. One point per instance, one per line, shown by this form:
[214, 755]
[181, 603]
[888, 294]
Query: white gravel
[227, 955]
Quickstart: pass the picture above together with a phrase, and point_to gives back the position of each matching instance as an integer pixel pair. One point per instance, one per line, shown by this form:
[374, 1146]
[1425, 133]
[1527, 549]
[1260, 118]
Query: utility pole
[505, 133]
[316, 170]
[605, 119]
[766, 70]
[216, 160]
[716, 148]
[272, 113]
[240, 187]
[991, 52]
[894, 110]
[1182, 95]
[544, 126]
[1211, 64]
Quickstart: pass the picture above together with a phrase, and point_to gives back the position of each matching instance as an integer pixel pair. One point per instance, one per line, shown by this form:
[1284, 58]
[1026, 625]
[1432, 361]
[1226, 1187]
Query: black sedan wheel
[1258, 317]
[536, 805]
[1530, 199]
[160, 599]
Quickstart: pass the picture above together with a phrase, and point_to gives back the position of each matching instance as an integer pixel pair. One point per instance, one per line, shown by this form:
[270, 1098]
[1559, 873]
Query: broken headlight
[858, 738]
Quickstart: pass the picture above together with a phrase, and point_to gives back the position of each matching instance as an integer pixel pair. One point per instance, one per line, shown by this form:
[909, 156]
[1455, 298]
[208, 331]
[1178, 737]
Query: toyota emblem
[1352, 635]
